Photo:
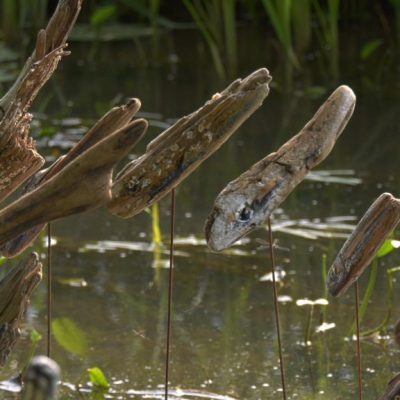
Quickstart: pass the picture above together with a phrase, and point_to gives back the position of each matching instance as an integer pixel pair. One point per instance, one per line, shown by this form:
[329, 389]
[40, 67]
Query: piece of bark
[41, 379]
[83, 184]
[249, 200]
[15, 292]
[115, 119]
[393, 389]
[178, 151]
[362, 245]
[18, 156]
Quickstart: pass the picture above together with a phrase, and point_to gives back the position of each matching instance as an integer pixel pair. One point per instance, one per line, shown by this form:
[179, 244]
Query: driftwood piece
[249, 200]
[363, 244]
[18, 157]
[115, 119]
[178, 151]
[15, 292]
[393, 390]
[41, 379]
[83, 184]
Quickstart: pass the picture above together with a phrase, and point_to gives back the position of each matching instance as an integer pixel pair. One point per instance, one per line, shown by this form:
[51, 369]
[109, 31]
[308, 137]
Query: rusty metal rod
[277, 318]
[170, 287]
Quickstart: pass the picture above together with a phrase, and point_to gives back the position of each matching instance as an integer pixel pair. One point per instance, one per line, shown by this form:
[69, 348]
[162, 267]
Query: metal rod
[358, 345]
[171, 267]
[277, 319]
[49, 299]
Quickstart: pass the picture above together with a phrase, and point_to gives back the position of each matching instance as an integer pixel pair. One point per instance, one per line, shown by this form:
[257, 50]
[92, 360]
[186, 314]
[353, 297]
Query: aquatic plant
[216, 21]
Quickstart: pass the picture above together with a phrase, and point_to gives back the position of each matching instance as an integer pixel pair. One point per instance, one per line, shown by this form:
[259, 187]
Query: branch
[178, 151]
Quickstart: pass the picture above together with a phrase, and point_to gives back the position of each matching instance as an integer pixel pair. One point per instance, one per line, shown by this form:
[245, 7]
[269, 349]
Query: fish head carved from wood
[249, 200]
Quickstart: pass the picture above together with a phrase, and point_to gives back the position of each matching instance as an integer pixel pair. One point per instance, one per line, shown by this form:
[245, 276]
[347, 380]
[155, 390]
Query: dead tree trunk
[18, 156]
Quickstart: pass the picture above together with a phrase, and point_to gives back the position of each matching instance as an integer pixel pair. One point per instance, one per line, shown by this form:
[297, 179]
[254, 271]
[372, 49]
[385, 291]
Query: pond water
[111, 286]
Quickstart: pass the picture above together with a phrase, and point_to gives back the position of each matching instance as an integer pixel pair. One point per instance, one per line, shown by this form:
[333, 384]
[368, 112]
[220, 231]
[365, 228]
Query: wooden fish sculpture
[362, 245]
[83, 184]
[113, 120]
[249, 200]
[178, 151]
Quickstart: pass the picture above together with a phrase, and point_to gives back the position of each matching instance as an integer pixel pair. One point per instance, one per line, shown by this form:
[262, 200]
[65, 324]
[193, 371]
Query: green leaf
[387, 247]
[2, 260]
[35, 336]
[98, 378]
[369, 48]
[70, 336]
[103, 14]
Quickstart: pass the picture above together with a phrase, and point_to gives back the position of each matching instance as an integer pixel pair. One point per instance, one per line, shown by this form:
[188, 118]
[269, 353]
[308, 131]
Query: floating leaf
[70, 336]
[74, 282]
[387, 247]
[98, 378]
[304, 302]
[35, 336]
[325, 326]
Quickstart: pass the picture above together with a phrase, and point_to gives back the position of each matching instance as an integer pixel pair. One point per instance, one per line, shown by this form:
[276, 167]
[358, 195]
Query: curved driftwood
[41, 379]
[363, 244]
[249, 200]
[115, 119]
[393, 389]
[83, 184]
[178, 151]
[15, 292]
[18, 157]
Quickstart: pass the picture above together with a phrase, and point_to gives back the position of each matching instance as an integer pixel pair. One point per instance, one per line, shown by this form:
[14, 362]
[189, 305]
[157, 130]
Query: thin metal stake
[49, 299]
[357, 301]
[171, 265]
[277, 319]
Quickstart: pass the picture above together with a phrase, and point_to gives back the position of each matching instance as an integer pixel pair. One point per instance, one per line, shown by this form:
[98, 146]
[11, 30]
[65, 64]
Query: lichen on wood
[179, 150]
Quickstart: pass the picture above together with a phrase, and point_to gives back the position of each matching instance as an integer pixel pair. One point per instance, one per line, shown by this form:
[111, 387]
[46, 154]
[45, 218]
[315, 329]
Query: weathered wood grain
[249, 200]
[393, 390]
[83, 184]
[363, 244]
[178, 151]
[15, 292]
[115, 119]
[18, 156]
[41, 379]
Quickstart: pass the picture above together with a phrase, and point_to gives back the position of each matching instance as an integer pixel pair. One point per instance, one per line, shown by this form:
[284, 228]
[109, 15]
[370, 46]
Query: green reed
[328, 33]
[216, 20]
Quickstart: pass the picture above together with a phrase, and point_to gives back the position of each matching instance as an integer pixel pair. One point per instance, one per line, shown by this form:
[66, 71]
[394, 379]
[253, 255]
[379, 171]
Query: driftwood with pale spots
[362, 245]
[115, 119]
[178, 151]
[249, 200]
[83, 184]
[18, 156]
[15, 292]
